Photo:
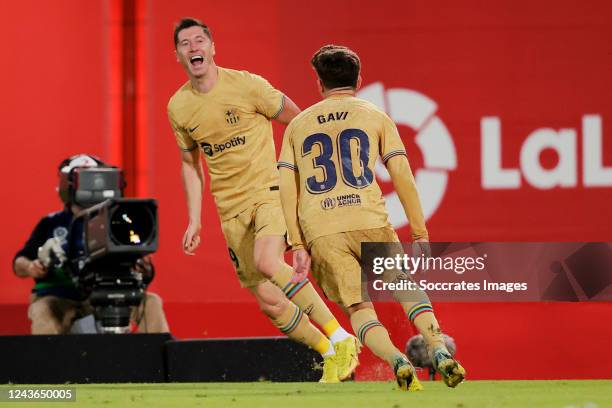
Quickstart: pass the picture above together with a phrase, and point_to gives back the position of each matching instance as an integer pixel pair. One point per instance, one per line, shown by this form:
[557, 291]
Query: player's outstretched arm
[289, 196]
[405, 185]
[289, 180]
[290, 188]
[193, 182]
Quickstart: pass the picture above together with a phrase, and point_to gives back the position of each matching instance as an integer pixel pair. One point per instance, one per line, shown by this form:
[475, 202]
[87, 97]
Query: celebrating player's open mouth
[196, 60]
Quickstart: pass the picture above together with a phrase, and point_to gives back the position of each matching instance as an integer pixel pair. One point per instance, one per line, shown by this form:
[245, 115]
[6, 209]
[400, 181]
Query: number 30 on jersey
[324, 160]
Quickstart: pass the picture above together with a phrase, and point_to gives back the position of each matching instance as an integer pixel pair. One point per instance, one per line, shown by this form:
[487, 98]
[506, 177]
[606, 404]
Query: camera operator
[56, 302]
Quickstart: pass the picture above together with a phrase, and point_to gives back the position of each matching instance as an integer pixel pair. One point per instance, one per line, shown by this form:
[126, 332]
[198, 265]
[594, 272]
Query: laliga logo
[415, 110]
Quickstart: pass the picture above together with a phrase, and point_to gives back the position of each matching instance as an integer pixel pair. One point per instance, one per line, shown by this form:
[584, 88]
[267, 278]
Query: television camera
[107, 240]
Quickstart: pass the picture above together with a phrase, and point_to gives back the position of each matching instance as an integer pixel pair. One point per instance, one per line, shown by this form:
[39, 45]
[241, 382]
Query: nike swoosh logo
[191, 130]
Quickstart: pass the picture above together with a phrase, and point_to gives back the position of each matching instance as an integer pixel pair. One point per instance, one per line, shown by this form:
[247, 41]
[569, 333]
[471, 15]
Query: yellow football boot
[330, 370]
[451, 371]
[405, 375]
[347, 352]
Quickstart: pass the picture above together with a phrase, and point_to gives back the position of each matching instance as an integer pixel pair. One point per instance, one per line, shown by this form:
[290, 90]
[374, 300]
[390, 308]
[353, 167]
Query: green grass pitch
[471, 394]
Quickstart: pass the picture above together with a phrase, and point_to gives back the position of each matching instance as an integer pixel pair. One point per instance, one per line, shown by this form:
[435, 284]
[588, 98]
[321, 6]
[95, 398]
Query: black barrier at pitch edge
[152, 358]
[241, 360]
[82, 358]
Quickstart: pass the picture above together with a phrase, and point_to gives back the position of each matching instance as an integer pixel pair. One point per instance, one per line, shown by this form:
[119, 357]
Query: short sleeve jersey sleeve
[268, 100]
[183, 140]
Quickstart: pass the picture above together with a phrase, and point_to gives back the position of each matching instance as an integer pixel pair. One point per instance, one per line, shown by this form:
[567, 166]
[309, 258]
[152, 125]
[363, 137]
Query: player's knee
[267, 265]
[268, 255]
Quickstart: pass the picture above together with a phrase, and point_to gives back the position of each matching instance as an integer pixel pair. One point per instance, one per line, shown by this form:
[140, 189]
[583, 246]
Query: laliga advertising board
[418, 112]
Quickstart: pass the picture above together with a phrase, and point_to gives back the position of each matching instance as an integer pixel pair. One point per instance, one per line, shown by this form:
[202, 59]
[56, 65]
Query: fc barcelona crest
[231, 116]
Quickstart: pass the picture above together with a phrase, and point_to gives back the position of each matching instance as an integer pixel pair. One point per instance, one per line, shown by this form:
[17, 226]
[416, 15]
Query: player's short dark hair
[337, 66]
[188, 22]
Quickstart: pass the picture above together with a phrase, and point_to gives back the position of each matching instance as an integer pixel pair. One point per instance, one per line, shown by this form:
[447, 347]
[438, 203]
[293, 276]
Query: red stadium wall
[500, 77]
[55, 101]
